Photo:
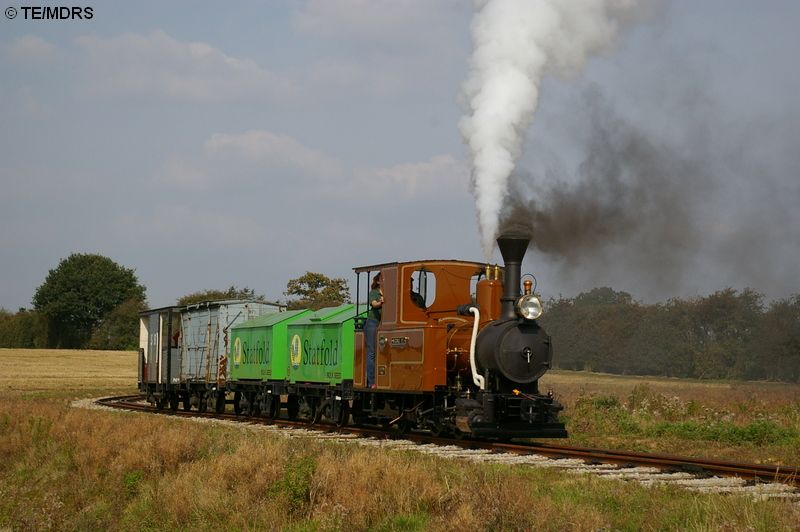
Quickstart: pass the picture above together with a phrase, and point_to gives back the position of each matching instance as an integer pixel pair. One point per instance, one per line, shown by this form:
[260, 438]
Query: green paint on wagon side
[321, 346]
[259, 347]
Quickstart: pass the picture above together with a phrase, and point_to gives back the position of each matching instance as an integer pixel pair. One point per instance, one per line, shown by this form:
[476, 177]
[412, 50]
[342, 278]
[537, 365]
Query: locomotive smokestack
[513, 248]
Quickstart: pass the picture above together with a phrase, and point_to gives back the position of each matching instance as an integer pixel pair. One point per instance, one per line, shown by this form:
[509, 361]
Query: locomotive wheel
[159, 403]
[292, 407]
[237, 406]
[403, 426]
[187, 402]
[219, 404]
[173, 402]
[438, 430]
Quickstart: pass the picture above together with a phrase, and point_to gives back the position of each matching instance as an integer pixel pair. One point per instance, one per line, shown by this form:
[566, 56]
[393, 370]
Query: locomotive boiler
[509, 355]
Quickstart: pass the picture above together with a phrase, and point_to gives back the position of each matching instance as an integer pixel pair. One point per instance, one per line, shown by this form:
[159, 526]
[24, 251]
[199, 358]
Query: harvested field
[56, 371]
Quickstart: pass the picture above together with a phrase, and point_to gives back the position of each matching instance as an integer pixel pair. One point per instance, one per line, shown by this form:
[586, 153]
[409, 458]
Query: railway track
[766, 481]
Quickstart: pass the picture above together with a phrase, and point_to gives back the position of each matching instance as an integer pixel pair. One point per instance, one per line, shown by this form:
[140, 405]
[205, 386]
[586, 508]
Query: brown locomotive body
[437, 369]
[420, 349]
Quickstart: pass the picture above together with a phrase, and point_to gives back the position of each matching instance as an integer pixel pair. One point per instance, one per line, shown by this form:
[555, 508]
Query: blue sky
[207, 144]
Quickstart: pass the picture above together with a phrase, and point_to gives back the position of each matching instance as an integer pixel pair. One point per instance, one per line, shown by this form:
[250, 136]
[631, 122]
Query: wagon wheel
[237, 406]
[315, 410]
[202, 405]
[340, 413]
[173, 402]
[219, 405]
[292, 407]
[253, 407]
[187, 402]
[269, 406]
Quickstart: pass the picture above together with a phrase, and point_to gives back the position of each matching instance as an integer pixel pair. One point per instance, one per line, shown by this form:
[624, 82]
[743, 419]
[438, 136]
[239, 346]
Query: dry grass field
[67, 468]
[572, 384]
[757, 422]
[54, 371]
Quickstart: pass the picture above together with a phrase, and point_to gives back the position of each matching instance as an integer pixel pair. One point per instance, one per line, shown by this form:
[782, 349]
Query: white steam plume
[517, 42]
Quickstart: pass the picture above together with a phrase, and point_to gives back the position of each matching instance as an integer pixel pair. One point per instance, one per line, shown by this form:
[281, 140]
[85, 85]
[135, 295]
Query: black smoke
[663, 214]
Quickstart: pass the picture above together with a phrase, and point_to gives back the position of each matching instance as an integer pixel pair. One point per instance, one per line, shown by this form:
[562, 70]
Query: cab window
[422, 287]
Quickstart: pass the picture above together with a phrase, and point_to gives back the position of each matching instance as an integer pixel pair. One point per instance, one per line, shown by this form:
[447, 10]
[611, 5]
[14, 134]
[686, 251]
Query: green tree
[777, 348]
[80, 293]
[594, 331]
[233, 292]
[119, 330]
[25, 329]
[603, 296]
[316, 291]
[723, 327]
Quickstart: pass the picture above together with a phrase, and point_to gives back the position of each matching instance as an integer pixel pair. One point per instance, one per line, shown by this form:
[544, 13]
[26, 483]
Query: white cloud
[30, 48]
[275, 149]
[157, 63]
[228, 159]
[442, 172]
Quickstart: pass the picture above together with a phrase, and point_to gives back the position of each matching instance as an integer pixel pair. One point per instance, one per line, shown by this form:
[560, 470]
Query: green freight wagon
[320, 377]
[259, 361]
[321, 346]
[259, 347]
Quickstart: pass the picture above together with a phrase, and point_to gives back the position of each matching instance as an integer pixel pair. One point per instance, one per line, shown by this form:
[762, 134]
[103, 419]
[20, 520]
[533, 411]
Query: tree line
[90, 302]
[729, 334]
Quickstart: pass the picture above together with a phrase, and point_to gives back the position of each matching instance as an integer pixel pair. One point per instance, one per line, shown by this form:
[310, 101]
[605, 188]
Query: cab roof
[374, 267]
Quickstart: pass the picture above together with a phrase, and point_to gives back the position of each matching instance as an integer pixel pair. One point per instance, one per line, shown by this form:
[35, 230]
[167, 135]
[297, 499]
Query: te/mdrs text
[57, 13]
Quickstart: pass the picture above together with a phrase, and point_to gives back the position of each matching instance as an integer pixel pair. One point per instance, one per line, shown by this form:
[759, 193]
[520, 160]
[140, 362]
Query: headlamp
[529, 307]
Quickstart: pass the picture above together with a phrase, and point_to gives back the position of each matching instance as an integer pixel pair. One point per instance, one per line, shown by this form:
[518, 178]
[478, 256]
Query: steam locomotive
[459, 352]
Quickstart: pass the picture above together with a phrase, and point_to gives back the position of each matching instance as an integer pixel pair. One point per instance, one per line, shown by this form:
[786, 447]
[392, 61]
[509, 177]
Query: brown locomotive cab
[422, 341]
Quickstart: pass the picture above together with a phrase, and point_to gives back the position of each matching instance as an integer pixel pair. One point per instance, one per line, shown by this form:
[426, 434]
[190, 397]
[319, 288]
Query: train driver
[375, 299]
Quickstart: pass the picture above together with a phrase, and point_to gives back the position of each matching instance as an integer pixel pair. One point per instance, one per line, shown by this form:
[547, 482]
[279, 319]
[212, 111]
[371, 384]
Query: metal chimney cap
[513, 246]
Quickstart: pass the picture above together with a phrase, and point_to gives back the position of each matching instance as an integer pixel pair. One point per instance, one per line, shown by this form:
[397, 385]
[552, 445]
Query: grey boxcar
[159, 354]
